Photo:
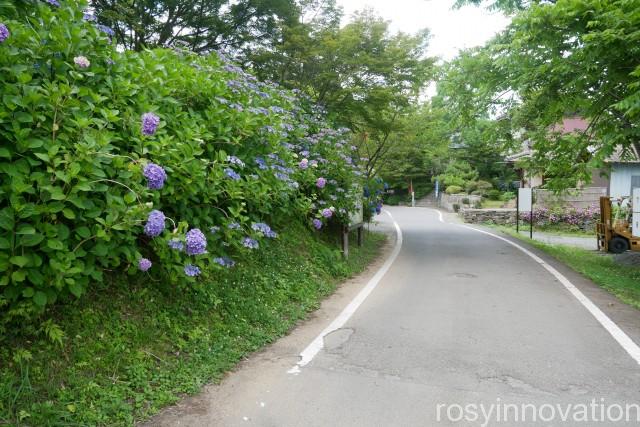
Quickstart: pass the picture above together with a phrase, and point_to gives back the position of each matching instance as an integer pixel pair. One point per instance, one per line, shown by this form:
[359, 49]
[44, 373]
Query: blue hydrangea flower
[250, 243]
[89, 17]
[4, 32]
[150, 123]
[176, 244]
[281, 176]
[155, 176]
[231, 174]
[191, 270]
[107, 30]
[235, 161]
[225, 262]
[214, 229]
[196, 242]
[233, 226]
[144, 264]
[155, 224]
[53, 3]
[261, 163]
[317, 223]
[264, 229]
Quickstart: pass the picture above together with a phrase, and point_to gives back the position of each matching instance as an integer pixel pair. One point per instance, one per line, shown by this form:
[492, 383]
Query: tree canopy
[568, 58]
[199, 25]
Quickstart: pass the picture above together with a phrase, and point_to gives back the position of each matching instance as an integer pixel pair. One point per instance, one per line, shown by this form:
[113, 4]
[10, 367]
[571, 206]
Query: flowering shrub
[162, 161]
[583, 219]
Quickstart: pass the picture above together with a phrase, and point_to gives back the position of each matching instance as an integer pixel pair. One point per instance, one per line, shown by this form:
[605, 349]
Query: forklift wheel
[617, 245]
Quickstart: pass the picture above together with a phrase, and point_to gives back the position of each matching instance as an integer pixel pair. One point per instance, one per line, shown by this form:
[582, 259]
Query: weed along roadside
[608, 271]
[130, 348]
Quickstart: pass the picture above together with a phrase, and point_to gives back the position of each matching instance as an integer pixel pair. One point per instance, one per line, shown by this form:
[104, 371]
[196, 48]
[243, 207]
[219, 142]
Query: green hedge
[99, 147]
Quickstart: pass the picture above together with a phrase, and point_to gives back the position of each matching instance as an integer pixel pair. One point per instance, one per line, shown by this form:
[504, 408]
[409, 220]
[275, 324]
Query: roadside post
[437, 188]
[413, 195]
[356, 222]
[635, 215]
[525, 204]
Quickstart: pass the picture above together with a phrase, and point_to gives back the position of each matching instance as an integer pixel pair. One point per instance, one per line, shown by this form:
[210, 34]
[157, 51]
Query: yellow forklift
[618, 233]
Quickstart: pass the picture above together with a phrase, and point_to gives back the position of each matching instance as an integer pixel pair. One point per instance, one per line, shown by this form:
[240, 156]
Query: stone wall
[576, 198]
[448, 200]
[492, 216]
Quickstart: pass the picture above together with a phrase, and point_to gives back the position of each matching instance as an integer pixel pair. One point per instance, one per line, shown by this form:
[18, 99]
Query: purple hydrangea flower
[317, 223]
[155, 176]
[155, 224]
[196, 242]
[250, 243]
[231, 174]
[4, 32]
[176, 244]
[321, 182]
[53, 3]
[89, 17]
[144, 264]
[82, 61]
[304, 163]
[327, 213]
[225, 262]
[150, 123]
[191, 270]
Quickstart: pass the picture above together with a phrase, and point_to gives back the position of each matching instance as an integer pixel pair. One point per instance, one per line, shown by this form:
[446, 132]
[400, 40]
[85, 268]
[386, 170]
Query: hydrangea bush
[572, 218]
[161, 162]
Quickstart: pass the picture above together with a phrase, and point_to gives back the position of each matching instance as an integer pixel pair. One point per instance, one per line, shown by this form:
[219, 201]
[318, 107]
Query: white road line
[618, 334]
[316, 345]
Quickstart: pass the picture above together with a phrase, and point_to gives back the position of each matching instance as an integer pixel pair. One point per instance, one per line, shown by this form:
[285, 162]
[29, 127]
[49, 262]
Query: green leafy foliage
[74, 197]
[198, 25]
[557, 59]
[131, 348]
[458, 173]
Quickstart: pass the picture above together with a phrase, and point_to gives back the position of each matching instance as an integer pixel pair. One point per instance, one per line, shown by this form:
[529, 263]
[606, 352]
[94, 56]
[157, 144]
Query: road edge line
[609, 325]
[317, 344]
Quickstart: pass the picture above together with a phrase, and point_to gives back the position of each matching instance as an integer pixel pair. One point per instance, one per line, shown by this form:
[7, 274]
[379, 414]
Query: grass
[621, 280]
[558, 230]
[131, 348]
[492, 204]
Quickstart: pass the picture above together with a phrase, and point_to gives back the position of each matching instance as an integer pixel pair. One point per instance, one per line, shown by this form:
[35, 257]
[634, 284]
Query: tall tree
[365, 76]
[199, 25]
[558, 59]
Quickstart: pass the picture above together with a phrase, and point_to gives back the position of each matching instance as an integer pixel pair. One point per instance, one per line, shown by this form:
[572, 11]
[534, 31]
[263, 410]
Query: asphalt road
[461, 320]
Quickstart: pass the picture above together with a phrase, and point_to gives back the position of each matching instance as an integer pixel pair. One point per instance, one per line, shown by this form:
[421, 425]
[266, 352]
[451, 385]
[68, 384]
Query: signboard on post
[357, 217]
[356, 221]
[525, 199]
[525, 204]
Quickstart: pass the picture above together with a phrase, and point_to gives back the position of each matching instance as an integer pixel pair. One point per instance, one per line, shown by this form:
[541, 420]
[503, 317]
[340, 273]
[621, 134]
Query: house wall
[621, 177]
[600, 178]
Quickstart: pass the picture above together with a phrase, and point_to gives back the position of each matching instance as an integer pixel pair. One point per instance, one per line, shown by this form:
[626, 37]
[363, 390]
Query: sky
[451, 29]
